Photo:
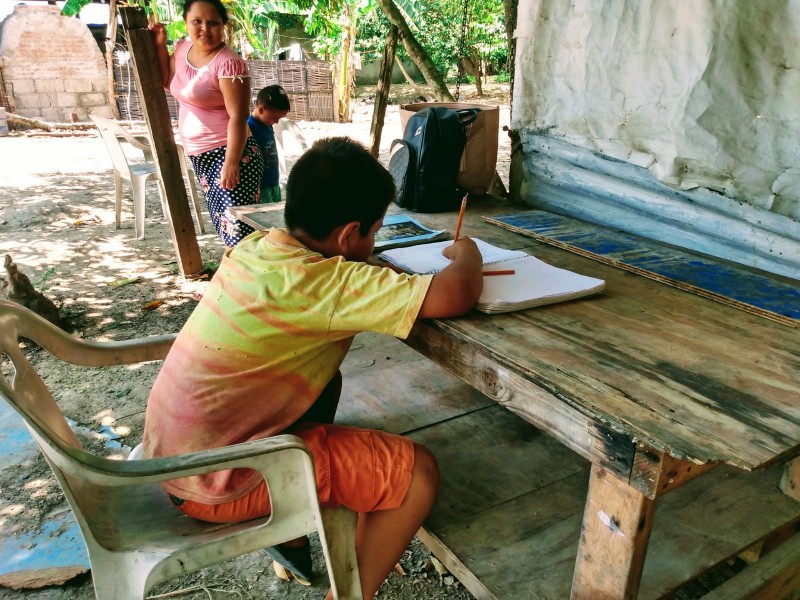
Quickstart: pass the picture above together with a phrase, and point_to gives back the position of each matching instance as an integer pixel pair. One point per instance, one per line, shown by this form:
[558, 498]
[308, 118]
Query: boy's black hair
[336, 181]
[273, 97]
[223, 13]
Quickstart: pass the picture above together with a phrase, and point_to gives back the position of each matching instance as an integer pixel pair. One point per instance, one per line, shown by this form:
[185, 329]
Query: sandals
[291, 563]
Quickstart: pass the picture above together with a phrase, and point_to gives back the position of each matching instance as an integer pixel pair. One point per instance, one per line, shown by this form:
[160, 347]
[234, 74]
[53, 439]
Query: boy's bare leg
[382, 536]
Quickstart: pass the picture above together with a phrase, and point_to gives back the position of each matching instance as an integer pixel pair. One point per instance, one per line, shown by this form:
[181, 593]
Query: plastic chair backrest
[134, 535]
[109, 132]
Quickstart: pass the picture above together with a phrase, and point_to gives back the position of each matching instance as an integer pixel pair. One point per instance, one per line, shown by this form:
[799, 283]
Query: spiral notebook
[533, 283]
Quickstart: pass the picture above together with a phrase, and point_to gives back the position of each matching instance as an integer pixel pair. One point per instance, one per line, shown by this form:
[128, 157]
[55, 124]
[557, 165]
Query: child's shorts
[270, 194]
[362, 469]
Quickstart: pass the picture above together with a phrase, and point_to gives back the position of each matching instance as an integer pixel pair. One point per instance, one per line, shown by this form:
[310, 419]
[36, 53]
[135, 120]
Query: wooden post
[165, 152]
[614, 536]
[790, 480]
[111, 40]
[382, 90]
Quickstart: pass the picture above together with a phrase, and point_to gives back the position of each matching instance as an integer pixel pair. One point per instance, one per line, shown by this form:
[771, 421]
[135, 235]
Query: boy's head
[335, 183]
[272, 104]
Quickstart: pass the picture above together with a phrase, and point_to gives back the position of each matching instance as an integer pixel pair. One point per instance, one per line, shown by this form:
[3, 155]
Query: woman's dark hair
[223, 13]
[336, 181]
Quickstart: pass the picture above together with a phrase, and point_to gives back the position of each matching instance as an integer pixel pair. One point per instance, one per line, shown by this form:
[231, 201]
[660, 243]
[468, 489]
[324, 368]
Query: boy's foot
[292, 562]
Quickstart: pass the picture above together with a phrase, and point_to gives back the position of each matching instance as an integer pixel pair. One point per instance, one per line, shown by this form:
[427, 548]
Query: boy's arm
[455, 289]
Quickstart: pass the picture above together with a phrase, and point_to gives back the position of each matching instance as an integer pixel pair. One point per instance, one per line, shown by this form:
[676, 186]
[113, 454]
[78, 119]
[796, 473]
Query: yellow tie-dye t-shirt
[270, 332]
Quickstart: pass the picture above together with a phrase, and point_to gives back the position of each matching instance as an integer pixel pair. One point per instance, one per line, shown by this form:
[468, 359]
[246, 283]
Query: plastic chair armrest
[251, 455]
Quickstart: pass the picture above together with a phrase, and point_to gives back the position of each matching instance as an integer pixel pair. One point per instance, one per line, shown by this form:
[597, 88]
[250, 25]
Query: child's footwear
[292, 562]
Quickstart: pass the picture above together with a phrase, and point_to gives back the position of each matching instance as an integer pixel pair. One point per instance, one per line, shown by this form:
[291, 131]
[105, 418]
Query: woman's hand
[166, 64]
[159, 34]
[229, 175]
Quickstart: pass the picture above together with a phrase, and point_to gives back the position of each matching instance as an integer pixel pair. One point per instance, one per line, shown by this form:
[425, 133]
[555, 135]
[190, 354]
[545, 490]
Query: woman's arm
[236, 93]
[166, 63]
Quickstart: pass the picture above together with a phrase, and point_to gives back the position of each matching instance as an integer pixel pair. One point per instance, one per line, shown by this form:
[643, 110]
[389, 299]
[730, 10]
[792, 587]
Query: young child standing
[272, 104]
[260, 356]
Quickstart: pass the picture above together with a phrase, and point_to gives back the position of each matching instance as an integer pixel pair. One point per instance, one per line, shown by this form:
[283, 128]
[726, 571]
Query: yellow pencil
[460, 217]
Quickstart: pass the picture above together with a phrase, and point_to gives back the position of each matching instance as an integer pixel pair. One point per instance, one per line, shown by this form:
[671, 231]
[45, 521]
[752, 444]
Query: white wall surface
[705, 95]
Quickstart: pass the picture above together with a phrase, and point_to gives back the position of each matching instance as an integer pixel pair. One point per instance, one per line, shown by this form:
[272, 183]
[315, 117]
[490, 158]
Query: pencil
[460, 217]
[502, 272]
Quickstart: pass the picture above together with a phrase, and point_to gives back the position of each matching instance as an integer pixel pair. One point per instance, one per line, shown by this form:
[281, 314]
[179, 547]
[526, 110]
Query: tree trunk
[111, 40]
[382, 90]
[416, 52]
[347, 70]
[510, 9]
[472, 65]
[409, 79]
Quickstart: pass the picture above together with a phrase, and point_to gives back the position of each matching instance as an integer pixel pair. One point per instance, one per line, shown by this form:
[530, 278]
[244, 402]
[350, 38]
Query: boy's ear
[349, 234]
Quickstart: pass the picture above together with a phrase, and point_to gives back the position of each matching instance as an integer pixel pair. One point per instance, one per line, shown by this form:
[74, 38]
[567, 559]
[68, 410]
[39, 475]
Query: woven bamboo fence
[308, 84]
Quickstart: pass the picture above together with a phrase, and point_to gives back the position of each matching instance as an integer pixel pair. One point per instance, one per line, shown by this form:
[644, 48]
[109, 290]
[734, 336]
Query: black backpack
[425, 163]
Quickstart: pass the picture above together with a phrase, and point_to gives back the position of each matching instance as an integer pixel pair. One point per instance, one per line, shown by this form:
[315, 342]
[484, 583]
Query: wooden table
[653, 385]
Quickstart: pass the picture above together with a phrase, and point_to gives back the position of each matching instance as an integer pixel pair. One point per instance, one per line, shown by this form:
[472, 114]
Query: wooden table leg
[616, 529]
[790, 480]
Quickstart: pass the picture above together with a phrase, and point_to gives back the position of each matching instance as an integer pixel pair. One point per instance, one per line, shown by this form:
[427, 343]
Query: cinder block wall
[52, 65]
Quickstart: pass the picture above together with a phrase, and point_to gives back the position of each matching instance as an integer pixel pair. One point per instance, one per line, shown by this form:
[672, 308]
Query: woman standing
[212, 86]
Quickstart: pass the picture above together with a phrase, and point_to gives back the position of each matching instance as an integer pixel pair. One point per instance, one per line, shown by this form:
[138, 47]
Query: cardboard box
[480, 156]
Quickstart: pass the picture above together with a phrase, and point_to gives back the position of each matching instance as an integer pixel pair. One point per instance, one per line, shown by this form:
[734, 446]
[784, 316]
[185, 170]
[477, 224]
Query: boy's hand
[455, 289]
[462, 245]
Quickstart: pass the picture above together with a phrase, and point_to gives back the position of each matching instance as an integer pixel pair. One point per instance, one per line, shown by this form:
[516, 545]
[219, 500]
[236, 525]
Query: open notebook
[534, 282]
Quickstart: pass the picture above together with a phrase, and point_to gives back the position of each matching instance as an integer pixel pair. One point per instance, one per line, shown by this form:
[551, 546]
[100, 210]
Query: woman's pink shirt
[202, 118]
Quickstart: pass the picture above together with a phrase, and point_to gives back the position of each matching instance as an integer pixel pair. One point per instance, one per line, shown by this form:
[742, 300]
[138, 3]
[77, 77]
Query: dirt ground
[57, 224]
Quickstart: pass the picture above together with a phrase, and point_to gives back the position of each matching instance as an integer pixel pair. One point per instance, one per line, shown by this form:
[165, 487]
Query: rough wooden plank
[165, 152]
[509, 456]
[775, 576]
[714, 279]
[514, 391]
[614, 537]
[790, 479]
[399, 399]
[526, 547]
[637, 358]
[453, 564]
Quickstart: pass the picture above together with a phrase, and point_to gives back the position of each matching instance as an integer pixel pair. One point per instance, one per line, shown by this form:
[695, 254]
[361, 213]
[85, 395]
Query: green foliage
[73, 7]
[437, 26]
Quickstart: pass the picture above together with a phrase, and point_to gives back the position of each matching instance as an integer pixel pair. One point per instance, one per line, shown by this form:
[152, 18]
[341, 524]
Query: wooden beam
[614, 536]
[614, 451]
[382, 90]
[776, 575]
[790, 480]
[111, 40]
[165, 152]
[655, 473]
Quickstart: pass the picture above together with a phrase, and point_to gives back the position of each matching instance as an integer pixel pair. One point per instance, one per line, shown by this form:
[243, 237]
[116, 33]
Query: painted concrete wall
[370, 71]
[52, 65]
[696, 100]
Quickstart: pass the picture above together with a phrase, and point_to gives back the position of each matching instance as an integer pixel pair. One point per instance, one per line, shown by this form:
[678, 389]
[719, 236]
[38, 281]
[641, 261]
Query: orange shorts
[362, 469]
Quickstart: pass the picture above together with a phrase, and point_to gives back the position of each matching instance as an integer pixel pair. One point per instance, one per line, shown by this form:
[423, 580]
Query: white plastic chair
[289, 140]
[139, 173]
[134, 535]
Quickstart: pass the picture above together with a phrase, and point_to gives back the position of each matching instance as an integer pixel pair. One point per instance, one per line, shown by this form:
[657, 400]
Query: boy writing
[272, 104]
[260, 356]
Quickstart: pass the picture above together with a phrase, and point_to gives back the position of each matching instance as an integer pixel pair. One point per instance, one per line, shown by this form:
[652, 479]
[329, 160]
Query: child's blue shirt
[265, 137]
